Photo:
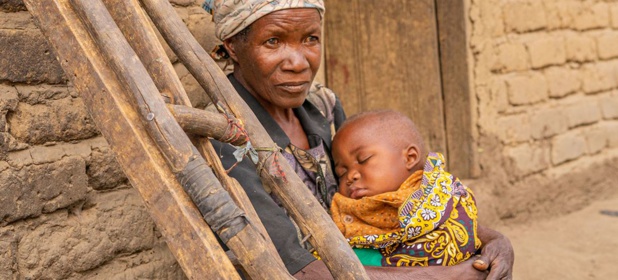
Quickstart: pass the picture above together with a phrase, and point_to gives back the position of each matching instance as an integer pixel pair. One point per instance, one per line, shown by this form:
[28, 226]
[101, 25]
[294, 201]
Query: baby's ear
[412, 156]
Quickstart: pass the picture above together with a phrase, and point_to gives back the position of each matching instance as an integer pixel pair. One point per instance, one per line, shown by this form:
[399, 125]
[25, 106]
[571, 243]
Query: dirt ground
[579, 245]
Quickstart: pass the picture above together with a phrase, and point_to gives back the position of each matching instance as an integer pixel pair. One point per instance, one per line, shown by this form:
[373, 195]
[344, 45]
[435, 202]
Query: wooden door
[387, 54]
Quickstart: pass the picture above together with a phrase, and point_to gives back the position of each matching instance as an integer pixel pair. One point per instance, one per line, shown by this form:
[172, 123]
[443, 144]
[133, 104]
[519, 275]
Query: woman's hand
[462, 271]
[497, 255]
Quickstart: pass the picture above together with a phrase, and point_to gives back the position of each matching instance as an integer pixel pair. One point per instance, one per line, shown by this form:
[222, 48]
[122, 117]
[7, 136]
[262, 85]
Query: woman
[275, 48]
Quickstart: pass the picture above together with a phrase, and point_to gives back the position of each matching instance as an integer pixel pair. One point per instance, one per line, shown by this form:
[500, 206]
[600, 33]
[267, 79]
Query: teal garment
[369, 257]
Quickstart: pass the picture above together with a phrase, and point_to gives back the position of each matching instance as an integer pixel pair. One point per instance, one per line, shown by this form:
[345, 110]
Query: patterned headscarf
[232, 16]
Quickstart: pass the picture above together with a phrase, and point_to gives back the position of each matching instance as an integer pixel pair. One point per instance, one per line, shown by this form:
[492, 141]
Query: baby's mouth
[355, 193]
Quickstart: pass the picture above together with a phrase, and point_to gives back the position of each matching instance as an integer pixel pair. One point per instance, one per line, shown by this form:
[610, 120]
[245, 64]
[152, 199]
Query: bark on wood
[296, 198]
[188, 237]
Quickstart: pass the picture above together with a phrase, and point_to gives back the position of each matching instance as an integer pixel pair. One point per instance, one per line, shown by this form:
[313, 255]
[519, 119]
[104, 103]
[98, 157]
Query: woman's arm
[495, 262]
[462, 271]
[497, 255]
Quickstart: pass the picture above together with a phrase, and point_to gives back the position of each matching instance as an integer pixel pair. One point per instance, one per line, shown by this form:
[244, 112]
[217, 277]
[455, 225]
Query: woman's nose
[295, 60]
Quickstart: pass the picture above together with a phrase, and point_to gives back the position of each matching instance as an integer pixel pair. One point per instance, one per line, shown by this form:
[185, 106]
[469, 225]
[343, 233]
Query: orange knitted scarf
[378, 214]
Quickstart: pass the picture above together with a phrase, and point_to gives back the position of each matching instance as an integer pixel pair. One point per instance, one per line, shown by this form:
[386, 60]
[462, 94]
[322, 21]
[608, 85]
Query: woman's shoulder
[322, 98]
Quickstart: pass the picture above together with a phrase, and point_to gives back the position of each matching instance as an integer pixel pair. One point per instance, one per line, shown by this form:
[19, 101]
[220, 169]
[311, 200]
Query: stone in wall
[48, 114]
[614, 14]
[609, 106]
[513, 128]
[598, 77]
[8, 251]
[12, 5]
[582, 112]
[36, 189]
[580, 47]
[546, 51]
[66, 243]
[103, 171]
[548, 122]
[590, 15]
[511, 56]
[528, 158]
[524, 16]
[562, 81]
[597, 138]
[527, 88]
[8, 102]
[568, 146]
[27, 58]
[157, 263]
[607, 43]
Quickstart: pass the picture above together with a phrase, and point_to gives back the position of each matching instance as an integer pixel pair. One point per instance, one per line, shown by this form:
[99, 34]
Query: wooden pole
[135, 24]
[187, 235]
[296, 198]
[208, 124]
[215, 204]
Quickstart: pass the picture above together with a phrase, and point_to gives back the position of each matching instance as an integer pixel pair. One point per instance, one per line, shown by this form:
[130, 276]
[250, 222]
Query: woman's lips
[295, 87]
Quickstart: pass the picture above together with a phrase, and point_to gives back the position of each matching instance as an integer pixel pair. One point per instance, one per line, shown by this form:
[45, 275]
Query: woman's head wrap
[232, 16]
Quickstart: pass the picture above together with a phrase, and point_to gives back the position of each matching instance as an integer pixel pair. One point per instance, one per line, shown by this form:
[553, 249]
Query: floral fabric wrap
[232, 16]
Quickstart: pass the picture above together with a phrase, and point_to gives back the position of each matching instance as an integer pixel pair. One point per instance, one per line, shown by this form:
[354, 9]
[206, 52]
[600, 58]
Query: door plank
[384, 54]
[456, 88]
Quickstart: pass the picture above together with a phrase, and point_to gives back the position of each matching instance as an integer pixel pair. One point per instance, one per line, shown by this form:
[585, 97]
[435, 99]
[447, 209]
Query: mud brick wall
[545, 77]
[66, 209]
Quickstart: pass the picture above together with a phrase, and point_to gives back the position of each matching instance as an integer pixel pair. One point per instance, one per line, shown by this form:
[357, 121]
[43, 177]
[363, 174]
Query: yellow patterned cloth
[429, 220]
[232, 16]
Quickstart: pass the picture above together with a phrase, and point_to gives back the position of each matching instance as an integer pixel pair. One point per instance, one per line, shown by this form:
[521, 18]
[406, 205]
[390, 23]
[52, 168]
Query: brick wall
[545, 76]
[66, 209]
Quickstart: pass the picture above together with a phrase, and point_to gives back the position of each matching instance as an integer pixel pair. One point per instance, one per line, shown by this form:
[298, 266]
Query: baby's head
[375, 152]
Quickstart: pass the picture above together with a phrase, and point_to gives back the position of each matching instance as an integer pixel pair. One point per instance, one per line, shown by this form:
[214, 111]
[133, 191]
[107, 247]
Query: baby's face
[366, 163]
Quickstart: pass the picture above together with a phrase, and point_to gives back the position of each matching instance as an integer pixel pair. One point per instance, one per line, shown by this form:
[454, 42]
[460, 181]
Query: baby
[396, 205]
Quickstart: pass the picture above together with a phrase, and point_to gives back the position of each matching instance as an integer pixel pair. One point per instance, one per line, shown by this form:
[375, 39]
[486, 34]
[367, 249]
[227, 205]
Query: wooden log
[208, 124]
[135, 24]
[294, 195]
[215, 204]
[187, 235]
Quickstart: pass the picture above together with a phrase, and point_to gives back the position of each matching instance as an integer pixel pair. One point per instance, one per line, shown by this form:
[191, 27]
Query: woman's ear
[412, 156]
[230, 45]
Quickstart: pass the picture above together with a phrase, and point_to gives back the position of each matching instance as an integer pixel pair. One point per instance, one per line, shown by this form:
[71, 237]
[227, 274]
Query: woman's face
[279, 58]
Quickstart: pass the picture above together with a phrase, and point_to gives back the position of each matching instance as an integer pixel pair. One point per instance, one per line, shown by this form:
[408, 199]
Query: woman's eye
[312, 39]
[272, 41]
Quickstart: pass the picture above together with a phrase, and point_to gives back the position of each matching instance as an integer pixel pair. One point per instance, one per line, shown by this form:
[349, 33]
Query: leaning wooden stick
[187, 235]
[215, 204]
[209, 124]
[300, 203]
[135, 25]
